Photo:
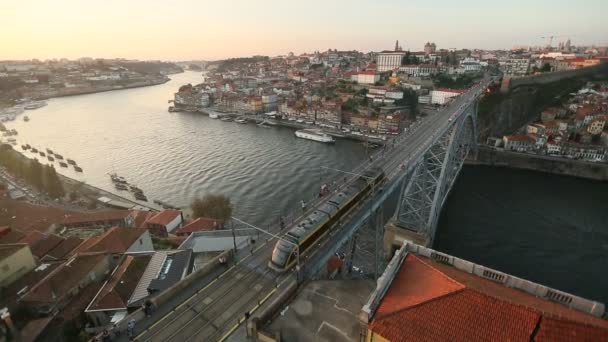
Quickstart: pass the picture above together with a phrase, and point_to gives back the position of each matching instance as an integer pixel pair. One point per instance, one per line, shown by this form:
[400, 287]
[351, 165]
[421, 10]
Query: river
[176, 157]
[546, 228]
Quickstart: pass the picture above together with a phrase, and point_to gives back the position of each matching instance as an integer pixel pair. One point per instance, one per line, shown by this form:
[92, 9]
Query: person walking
[131, 329]
[303, 206]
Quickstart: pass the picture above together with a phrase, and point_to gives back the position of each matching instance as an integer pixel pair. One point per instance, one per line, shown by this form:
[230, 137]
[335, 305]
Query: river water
[549, 229]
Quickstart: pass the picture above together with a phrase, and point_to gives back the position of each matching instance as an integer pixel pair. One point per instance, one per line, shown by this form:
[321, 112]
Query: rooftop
[116, 240]
[45, 245]
[201, 224]
[434, 296]
[164, 217]
[10, 249]
[64, 248]
[91, 217]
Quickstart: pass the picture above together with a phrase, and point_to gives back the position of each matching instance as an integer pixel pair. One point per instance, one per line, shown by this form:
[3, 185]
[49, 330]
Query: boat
[117, 179]
[50, 158]
[213, 116]
[315, 135]
[34, 150]
[24, 147]
[58, 156]
[49, 151]
[11, 140]
[27, 146]
[42, 154]
[135, 189]
[35, 105]
[71, 162]
[241, 121]
[14, 131]
[120, 186]
[26, 118]
[140, 196]
[77, 168]
[226, 119]
[62, 164]
[310, 122]
[300, 121]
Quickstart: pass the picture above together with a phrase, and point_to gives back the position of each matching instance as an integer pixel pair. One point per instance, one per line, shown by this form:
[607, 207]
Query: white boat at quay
[213, 115]
[315, 135]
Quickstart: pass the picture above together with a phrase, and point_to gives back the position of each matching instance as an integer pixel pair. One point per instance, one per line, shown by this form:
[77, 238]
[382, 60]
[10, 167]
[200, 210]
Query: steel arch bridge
[433, 160]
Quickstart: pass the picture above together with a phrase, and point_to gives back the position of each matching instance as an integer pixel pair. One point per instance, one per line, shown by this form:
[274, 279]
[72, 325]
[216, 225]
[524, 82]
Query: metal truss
[424, 193]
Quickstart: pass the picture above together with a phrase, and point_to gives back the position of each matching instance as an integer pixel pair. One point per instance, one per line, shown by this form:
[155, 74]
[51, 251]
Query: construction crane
[551, 39]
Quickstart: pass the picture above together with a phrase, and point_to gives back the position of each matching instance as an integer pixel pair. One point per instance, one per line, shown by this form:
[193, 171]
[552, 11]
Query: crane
[551, 39]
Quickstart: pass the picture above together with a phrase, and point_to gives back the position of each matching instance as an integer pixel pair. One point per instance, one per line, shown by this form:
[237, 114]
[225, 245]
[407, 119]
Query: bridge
[421, 166]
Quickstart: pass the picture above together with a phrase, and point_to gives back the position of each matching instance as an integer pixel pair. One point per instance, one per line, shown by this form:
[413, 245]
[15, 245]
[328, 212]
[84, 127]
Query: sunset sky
[203, 29]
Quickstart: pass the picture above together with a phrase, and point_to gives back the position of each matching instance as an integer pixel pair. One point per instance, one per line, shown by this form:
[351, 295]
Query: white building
[470, 65]
[389, 60]
[442, 96]
[419, 69]
[365, 77]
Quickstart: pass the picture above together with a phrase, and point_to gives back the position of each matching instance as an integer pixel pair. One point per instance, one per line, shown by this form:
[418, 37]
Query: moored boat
[35, 105]
[77, 168]
[26, 118]
[120, 186]
[226, 119]
[34, 150]
[213, 115]
[49, 151]
[140, 196]
[315, 135]
[71, 162]
[62, 164]
[50, 158]
[42, 154]
[241, 121]
[58, 156]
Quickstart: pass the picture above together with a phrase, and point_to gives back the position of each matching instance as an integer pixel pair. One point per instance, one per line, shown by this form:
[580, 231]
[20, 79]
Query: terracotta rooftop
[27, 281]
[64, 248]
[43, 246]
[140, 217]
[116, 240]
[10, 235]
[84, 218]
[432, 301]
[32, 238]
[116, 292]
[29, 217]
[64, 278]
[164, 217]
[201, 224]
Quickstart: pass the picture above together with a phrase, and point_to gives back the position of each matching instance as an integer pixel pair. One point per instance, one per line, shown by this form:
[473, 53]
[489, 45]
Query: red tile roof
[140, 217]
[28, 217]
[33, 237]
[201, 224]
[116, 240]
[164, 217]
[64, 248]
[40, 248]
[559, 330]
[92, 217]
[116, 292]
[64, 278]
[520, 137]
[583, 111]
[430, 301]
[10, 235]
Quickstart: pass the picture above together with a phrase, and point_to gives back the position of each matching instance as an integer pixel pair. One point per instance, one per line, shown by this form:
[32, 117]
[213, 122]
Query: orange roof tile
[43, 246]
[164, 217]
[430, 301]
[33, 237]
[201, 224]
[64, 248]
[116, 240]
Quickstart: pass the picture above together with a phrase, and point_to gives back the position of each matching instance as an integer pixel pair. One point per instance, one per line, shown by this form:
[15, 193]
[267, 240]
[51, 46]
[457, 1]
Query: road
[217, 309]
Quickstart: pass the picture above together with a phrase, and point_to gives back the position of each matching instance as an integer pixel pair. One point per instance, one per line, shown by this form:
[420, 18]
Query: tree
[546, 67]
[212, 206]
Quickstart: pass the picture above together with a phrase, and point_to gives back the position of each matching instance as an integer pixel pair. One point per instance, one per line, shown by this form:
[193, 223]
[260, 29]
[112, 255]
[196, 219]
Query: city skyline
[190, 30]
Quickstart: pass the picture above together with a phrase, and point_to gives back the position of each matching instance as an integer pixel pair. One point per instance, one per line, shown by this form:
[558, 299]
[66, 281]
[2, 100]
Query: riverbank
[79, 195]
[554, 165]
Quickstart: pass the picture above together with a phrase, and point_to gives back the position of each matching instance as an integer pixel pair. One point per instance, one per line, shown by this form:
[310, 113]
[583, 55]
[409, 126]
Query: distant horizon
[192, 30]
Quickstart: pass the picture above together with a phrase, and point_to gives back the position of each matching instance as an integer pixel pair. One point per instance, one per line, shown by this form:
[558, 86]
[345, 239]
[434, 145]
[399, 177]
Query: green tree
[212, 206]
[546, 67]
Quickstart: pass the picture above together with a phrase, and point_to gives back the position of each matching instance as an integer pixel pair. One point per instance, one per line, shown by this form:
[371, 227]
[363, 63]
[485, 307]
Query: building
[118, 240]
[429, 48]
[164, 222]
[58, 288]
[419, 70]
[515, 66]
[441, 96]
[106, 219]
[136, 278]
[200, 224]
[551, 113]
[16, 259]
[389, 60]
[471, 65]
[365, 77]
[520, 143]
[425, 295]
[596, 126]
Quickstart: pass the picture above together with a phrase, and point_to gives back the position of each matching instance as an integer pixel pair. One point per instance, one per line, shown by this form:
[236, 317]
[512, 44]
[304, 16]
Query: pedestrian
[131, 329]
[281, 223]
[149, 308]
[303, 205]
[105, 336]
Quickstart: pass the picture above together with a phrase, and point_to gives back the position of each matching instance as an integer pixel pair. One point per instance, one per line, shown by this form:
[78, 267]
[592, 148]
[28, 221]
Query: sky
[204, 29]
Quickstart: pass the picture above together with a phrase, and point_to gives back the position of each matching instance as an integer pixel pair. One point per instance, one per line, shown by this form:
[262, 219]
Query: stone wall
[554, 165]
[550, 77]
